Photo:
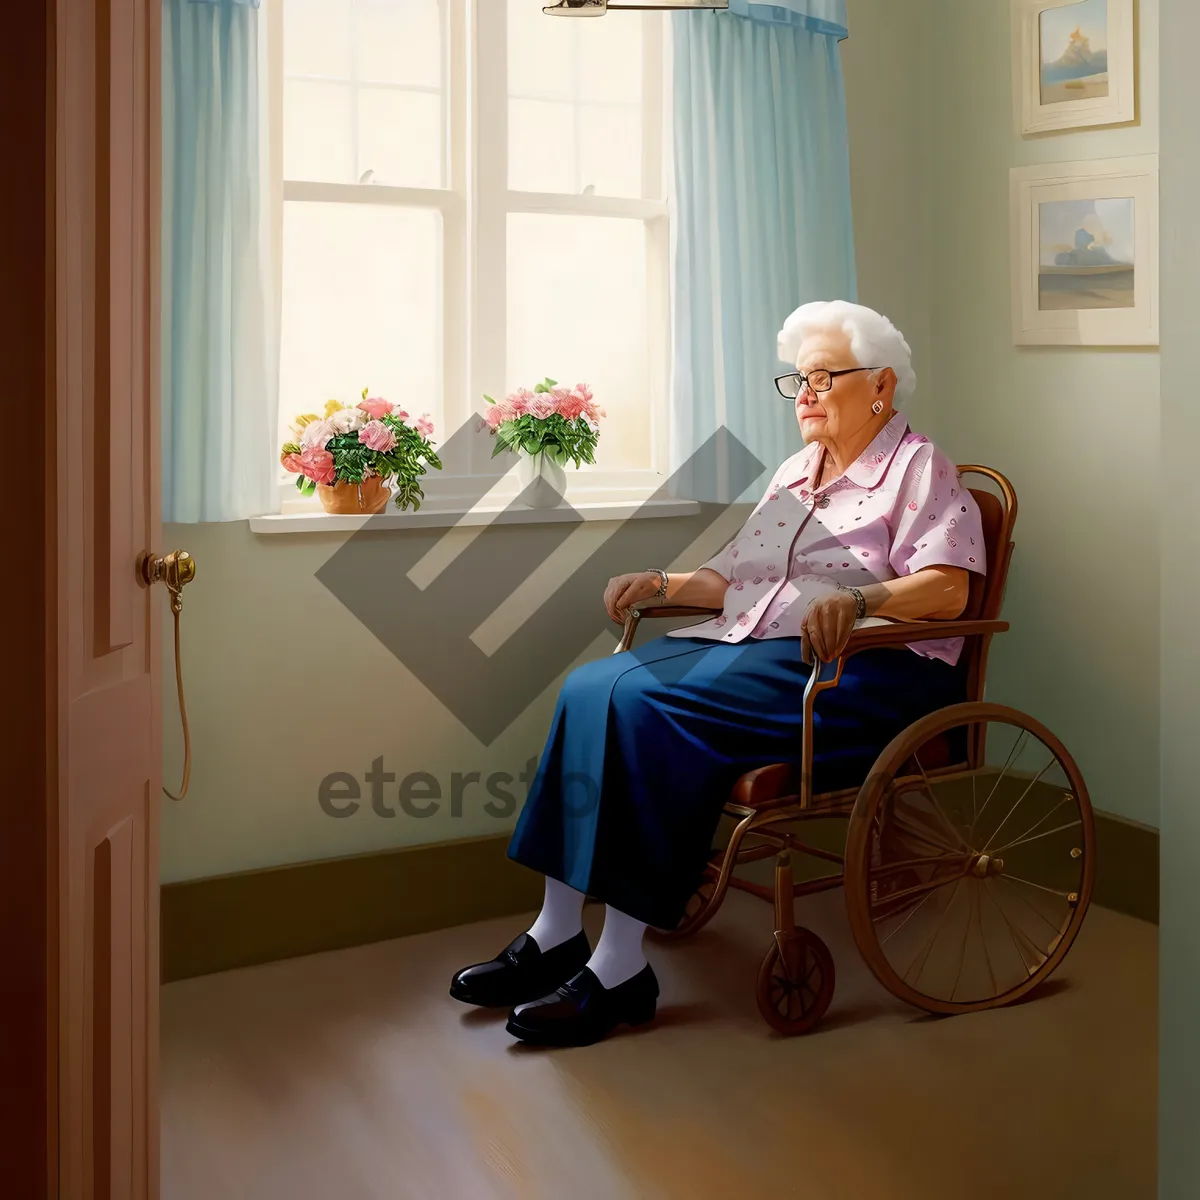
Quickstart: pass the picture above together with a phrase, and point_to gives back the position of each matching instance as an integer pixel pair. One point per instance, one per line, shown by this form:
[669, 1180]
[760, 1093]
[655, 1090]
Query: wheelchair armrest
[647, 608]
[901, 633]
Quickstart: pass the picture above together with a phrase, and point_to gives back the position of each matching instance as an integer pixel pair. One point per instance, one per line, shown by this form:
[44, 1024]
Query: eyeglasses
[790, 386]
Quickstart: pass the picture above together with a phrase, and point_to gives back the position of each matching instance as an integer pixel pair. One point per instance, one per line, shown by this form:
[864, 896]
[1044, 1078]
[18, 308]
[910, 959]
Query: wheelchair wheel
[795, 982]
[700, 909]
[966, 886]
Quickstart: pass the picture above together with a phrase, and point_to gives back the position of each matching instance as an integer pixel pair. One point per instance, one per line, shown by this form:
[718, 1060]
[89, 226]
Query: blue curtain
[220, 335]
[763, 221]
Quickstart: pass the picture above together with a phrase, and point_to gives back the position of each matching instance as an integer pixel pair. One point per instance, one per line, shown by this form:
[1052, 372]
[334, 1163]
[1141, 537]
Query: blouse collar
[871, 467]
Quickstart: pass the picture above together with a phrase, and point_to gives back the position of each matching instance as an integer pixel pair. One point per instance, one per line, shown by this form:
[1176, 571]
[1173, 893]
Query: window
[460, 220]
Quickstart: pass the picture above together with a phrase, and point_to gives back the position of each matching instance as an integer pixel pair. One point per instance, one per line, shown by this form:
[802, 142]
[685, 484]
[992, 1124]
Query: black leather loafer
[584, 1011]
[520, 973]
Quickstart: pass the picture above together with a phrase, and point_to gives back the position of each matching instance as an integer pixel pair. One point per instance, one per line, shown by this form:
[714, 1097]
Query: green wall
[1077, 430]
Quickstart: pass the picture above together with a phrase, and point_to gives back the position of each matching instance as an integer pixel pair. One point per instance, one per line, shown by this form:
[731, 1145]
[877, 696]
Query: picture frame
[1085, 244]
[1075, 64]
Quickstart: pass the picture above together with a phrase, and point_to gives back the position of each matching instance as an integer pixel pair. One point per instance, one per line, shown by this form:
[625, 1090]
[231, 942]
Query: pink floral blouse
[899, 508]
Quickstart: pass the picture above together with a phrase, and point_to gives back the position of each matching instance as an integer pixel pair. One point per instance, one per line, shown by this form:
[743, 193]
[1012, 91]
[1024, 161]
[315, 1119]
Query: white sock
[618, 955]
[561, 917]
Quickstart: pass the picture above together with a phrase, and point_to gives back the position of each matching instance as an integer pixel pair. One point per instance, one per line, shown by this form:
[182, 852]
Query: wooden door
[106, 260]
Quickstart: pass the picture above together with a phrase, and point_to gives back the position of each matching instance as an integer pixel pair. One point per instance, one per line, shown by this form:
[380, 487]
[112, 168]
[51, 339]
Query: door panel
[106, 330]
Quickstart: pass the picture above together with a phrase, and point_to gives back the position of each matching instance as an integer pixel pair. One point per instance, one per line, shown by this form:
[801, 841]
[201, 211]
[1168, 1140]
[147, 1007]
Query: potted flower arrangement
[547, 427]
[350, 455]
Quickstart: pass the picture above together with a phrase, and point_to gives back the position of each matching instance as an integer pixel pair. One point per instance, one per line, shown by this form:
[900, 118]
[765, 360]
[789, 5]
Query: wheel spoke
[912, 913]
[930, 885]
[1037, 836]
[1041, 887]
[962, 950]
[987, 958]
[910, 863]
[1003, 770]
[1036, 912]
[933, 937]
[921, 833]
[928, 789]
[1020, 800]
[1019, 937]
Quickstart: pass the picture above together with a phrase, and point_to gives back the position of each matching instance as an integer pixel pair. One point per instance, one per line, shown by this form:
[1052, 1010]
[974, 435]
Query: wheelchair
[968, 857]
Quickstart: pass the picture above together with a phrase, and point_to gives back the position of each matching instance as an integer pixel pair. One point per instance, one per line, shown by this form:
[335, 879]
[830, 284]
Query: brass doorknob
[175, 569]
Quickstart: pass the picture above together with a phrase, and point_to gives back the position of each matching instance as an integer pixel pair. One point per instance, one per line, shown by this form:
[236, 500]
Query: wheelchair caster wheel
[795, 982]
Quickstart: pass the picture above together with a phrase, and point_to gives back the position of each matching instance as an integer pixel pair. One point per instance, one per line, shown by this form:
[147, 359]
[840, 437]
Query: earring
[877, 407]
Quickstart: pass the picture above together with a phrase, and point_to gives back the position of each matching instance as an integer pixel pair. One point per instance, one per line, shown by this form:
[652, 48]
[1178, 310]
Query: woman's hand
[626, 590]
[827, 626]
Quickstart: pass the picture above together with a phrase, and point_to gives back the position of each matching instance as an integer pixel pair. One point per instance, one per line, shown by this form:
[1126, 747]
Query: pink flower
[425, 425]
[292, 462]
[520, 401]
[583, 392]
[497, 414]
[570, 406]
[375, 407]
[399, 412]
[317, 433]
[375, 435]
[317, 464]
[540, 406]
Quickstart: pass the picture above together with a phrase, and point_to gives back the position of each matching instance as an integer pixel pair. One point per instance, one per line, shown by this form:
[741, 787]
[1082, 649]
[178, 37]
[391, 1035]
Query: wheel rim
[966, 888]
[796, 982]
[795, 986]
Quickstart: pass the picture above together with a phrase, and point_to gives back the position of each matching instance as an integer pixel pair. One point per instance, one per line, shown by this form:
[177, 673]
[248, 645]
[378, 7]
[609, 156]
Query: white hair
[874, 340]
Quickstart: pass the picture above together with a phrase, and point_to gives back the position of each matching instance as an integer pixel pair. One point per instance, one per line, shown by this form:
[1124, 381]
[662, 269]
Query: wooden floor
[354, 1076]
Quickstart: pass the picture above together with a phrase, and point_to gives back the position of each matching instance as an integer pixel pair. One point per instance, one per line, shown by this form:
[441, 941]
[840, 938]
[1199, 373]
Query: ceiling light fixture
[597, 8]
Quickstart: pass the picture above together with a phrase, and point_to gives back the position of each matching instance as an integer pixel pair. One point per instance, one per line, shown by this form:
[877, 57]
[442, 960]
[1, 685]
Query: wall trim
[252, 917]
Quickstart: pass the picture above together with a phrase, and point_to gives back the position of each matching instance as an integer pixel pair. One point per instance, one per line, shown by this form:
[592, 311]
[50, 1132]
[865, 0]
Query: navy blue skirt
[645, 747]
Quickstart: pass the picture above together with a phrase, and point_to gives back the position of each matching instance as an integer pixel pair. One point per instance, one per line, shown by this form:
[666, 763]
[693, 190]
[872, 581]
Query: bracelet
[662, 587]
[860, 601]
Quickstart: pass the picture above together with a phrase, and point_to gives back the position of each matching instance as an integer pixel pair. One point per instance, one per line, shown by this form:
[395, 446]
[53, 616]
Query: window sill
[430, 517]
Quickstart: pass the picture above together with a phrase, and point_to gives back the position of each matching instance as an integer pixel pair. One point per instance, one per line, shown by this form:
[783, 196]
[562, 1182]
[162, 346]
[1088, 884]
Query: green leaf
[540, 387]
[488, 398]
[299, 483]
[550, 383]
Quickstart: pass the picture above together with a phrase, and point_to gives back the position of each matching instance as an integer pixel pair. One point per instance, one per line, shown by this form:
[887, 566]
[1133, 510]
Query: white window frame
[474, 208]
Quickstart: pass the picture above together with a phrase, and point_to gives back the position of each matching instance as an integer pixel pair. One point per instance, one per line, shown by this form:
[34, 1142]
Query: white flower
[317, 433]
[348, 420]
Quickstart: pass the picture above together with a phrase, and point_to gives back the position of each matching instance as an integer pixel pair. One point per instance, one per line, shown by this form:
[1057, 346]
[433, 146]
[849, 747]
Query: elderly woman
[869, 519]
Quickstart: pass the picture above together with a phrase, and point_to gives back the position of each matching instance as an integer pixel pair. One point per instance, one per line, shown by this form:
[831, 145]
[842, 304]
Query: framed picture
[1075, 63]
[1085, 253]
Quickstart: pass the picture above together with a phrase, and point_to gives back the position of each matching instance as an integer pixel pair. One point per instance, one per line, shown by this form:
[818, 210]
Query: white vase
[542, 481]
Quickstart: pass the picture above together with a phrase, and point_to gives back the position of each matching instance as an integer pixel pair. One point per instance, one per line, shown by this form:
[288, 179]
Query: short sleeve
[938, 522]
[723, 561]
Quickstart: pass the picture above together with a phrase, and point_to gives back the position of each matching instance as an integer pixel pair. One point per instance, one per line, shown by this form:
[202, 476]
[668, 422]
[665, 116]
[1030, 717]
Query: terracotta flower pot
[354, 499]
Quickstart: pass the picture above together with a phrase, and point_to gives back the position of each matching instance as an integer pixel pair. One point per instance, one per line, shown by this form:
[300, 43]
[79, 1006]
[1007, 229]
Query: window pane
[577, 312]
[608, 137]
[361, 307]
[317, 125]
[399, 41]
[610, 60]
[541, 146]
[316, 37]
[575, 103]
[541, 51]
[401, 137]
